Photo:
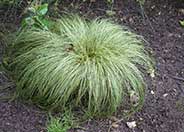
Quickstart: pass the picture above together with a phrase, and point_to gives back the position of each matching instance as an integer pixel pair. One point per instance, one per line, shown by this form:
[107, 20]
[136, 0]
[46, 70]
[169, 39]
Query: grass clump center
[92, 64]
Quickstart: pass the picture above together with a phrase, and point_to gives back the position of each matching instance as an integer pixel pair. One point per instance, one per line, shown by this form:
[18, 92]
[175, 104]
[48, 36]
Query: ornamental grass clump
[93, 64]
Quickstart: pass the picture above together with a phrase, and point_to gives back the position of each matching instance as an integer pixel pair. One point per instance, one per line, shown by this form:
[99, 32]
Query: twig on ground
[178, 78]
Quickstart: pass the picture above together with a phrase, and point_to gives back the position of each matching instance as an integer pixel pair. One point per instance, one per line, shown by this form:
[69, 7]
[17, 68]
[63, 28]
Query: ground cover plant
[61, 123]
[90, 63]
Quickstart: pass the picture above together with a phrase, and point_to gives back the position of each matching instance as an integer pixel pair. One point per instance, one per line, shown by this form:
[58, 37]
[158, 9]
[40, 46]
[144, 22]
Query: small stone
[110, 13]
[165, 95]
[131, 124]
[110, 122]
[152, 7]
[181, 11]
[152, 92]
[152, 73]
[141, 118]
[8, 123]
[131, 20]
[115, 125]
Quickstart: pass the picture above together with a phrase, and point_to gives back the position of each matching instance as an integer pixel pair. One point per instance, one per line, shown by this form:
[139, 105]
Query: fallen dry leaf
[115, 125]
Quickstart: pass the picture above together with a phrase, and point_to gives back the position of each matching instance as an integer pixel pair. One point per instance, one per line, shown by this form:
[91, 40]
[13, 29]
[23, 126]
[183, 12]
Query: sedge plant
[93, 64]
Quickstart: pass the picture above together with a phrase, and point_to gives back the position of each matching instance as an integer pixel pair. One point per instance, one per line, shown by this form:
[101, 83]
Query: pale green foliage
[56, 126]
[182, 23]
[90, 63]
[141, 1]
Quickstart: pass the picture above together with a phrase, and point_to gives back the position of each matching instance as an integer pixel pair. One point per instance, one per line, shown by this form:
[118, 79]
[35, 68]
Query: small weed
[36, 16]
[62, 124]
[141, 1]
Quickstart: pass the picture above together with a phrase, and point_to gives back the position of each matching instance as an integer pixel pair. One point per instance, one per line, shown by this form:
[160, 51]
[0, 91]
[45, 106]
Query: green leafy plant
[93, 64]
[110, 1]
[6, 1]
[36, 16]
[141, 2]
[62, 124]
[56, 126]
